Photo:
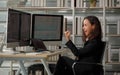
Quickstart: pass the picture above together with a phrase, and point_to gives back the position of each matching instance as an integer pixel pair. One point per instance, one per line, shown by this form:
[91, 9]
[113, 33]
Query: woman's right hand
[67, 35]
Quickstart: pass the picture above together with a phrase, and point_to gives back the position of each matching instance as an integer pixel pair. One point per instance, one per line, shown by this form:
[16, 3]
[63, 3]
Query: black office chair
[35, 67]
[92, 68]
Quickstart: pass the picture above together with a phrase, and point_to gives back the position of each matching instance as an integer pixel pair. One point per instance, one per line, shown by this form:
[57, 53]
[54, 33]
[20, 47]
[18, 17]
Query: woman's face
[87, 27]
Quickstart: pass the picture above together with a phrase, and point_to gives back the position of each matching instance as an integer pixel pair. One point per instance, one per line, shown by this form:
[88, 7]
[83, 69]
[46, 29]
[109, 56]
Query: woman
[90, 53]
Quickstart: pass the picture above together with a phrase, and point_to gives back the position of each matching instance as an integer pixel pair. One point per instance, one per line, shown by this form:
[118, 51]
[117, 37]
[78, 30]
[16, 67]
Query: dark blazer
[91, 52]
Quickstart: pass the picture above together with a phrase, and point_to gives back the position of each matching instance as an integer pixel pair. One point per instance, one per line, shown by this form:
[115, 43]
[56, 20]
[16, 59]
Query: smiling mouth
[85, 31]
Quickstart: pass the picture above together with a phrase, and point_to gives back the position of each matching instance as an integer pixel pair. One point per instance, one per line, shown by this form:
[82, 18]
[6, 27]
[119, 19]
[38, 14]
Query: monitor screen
[25, 26]
[18, 28]
[47, 27]
[13, 28]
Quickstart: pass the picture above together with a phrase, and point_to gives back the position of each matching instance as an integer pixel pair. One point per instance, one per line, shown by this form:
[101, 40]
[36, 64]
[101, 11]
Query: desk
[21, 57]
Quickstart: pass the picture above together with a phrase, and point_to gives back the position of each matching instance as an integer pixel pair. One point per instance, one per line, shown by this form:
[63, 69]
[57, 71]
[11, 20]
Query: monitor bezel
[18, 43]
[61, 26]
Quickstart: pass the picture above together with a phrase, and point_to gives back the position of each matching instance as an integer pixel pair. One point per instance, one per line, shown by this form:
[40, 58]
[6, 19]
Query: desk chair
[34, 68]
[40, 68]
[93, 68]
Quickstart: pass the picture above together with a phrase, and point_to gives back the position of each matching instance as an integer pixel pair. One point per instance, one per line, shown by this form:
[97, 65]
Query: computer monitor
[13, 28]
[25, 28]
[47, 27]
[18, 28]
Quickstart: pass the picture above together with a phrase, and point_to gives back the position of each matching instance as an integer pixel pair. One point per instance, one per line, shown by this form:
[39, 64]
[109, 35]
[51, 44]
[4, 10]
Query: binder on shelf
[69, 24]
[65, 25]
[111, 27]
[66, 3]
[85, 3]
[79, 26]
[106, 3]
[63, 3]
[113, 3]
[109, 53]
[79, 3]
[107, 29]
[100, 3]
[114, 55]
[119, 54]
[45, 2]
[76, 24]
[118, 27]
[117, 3]
[73, 3]
[37, 2]
[58, 3]
[110, 3]
[41, 3]
[32, 2]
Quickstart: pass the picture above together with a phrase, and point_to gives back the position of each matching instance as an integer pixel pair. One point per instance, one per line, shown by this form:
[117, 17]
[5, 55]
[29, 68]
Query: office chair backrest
[92, 68]
[104, 47]
[103, 57]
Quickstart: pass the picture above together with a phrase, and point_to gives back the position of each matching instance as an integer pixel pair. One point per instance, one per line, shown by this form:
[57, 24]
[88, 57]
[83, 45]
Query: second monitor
[47, 27]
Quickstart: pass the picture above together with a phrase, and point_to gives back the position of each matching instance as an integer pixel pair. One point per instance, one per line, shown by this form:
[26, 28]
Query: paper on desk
[9, 52]
[36, 53]
[33, 53]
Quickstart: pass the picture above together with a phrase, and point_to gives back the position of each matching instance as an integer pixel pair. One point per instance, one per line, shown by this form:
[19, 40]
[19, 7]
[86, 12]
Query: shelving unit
[74, 11]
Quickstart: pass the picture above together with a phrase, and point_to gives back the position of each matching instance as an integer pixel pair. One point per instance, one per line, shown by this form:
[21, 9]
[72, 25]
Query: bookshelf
[74, 11]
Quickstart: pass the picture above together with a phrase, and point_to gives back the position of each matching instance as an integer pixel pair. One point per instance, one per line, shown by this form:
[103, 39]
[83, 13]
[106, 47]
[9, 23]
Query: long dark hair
[97, 32]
